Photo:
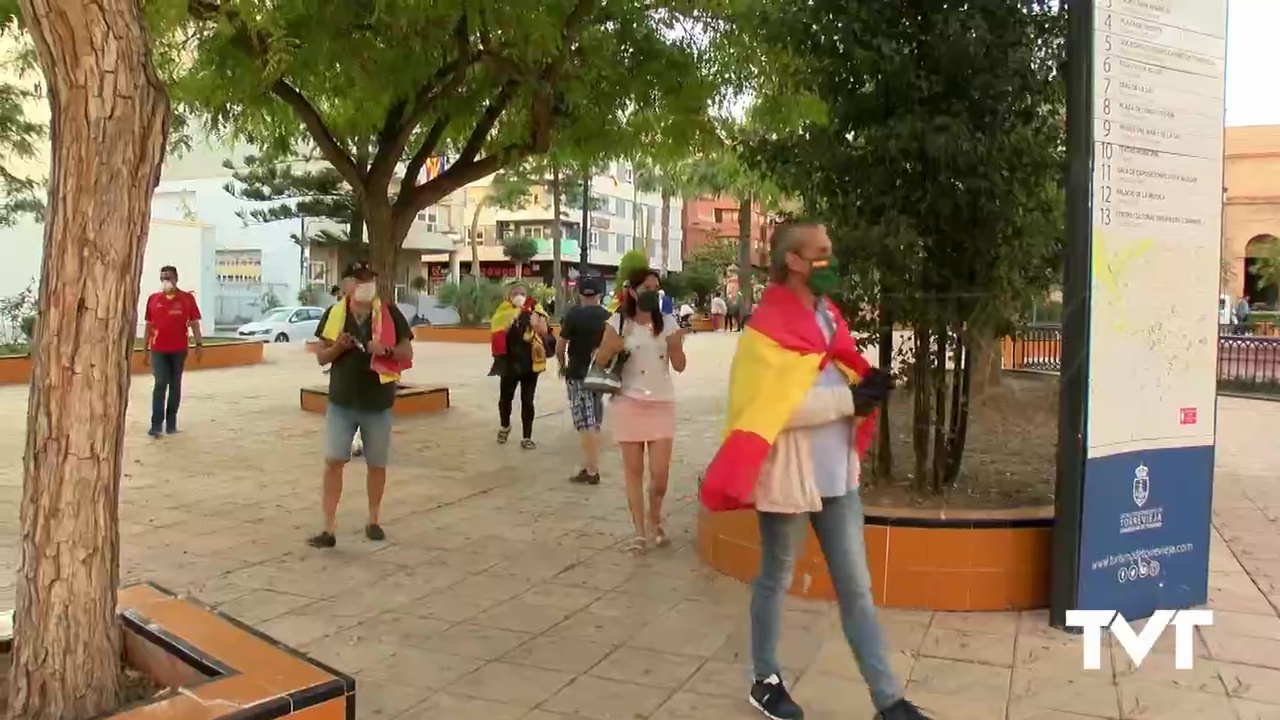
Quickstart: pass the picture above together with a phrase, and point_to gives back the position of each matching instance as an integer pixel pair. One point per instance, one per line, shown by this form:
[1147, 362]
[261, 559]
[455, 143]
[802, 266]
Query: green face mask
[647, 300]
[824, 276]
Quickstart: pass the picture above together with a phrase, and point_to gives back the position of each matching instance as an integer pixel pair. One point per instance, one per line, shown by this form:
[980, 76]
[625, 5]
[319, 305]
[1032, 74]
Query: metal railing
[1246, 363]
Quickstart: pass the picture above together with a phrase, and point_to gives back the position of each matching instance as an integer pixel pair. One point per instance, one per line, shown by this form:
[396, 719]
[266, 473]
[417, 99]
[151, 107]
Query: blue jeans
[839, 530]
[374, 426]
[166, 368]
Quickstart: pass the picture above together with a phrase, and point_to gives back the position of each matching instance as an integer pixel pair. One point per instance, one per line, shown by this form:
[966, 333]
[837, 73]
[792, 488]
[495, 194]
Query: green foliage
[702, 280]
[14, 311]
[677, 286]
[474, 299]
[269, 301]
[418, 284]
[1267, 266]
[300, 190]
[520, 249]
[19, 136]
[720, 254]
[938, 170]
[377, 87]
[632, 261]
[542, 292]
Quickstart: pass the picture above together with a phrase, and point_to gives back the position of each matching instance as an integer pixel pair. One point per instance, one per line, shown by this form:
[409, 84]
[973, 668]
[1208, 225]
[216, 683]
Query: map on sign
[1158, 79]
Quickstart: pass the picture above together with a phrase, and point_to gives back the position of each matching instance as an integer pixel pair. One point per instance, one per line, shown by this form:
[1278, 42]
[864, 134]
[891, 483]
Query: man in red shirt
[169, 314]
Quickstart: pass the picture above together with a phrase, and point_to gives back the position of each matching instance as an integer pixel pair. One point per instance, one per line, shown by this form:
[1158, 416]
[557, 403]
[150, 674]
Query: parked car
[283, 324]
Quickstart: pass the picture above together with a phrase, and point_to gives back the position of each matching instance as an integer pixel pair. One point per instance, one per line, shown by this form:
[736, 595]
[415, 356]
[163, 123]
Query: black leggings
[507, 394]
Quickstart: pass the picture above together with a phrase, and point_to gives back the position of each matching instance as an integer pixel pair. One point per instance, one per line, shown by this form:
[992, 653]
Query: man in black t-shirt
[581, 331]
[358, 399]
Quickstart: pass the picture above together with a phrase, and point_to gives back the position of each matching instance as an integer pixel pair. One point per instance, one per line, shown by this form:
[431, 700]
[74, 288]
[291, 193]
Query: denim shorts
[340, 426]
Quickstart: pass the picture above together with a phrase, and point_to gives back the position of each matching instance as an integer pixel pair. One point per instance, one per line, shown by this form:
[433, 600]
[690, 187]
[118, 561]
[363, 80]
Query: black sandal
[323, 540]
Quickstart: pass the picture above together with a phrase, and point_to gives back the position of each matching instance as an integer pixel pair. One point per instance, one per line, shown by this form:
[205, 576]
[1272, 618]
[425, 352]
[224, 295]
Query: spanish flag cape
[501, 322]
[384, 331]
[777, 362]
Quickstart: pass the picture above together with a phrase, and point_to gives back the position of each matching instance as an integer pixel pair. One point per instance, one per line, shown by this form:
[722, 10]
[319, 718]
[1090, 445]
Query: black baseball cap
[590, 286]
[360, 270]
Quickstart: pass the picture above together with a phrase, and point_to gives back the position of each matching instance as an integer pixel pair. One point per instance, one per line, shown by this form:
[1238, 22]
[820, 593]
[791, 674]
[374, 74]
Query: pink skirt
[639, 421]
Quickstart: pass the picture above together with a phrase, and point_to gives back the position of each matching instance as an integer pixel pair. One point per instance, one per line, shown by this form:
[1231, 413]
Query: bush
[29, 328]
[473, 299]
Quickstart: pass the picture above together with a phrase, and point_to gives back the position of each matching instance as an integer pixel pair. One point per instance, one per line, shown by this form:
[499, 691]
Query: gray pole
[584, 242]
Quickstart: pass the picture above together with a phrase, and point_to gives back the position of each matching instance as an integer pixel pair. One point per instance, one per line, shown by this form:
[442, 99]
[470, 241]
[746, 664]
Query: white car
[283, 324]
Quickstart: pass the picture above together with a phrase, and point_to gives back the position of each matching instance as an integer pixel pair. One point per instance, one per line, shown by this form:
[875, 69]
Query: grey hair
[787, 238]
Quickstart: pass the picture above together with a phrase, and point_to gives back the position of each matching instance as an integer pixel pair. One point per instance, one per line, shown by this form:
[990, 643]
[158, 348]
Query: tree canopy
[938, 167]
[19, 135]
[380, 89]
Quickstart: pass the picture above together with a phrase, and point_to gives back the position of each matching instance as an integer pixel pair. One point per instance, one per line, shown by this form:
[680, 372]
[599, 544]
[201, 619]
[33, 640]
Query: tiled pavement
[501, 593]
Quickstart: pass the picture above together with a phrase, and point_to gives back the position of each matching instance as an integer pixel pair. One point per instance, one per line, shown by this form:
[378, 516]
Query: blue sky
[1253, 62]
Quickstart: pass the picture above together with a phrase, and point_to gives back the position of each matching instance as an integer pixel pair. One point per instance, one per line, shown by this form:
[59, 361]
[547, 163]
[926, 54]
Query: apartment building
[708, 218]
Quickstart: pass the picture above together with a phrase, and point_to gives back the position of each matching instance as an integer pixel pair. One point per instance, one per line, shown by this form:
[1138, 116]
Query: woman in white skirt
[644, 411]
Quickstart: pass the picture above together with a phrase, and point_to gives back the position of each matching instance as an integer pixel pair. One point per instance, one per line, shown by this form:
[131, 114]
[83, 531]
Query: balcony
[569, 249]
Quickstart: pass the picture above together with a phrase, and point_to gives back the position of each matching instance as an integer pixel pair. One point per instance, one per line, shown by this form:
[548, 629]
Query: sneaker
[528, 444]
[155, 432]
[323, 540]
[585, 478]
[171, 431]
[374, 532]
[770, 697]
[503, 434]
[902, 710]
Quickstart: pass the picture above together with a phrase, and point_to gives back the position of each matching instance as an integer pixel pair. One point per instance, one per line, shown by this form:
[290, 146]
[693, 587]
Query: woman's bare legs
[633, 468]
[659, 474]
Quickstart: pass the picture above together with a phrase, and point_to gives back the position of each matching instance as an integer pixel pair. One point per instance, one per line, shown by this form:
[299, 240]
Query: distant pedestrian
[580, 335]
[170, 314]
[368, 344]
[1242, 315]
[519, 334]
[644, 411]
[718, 312]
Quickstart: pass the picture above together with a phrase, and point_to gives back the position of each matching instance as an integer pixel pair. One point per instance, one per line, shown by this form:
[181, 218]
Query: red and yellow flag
[778, 360]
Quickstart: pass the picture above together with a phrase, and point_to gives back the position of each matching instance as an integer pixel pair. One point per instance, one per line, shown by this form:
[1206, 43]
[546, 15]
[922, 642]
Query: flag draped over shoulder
[778, 360]
[384, 332]
[501, 322]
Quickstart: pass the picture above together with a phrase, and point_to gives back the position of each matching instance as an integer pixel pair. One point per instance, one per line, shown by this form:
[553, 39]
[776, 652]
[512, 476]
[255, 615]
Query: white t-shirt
[718, 306]
[647, 373]
[686, 310]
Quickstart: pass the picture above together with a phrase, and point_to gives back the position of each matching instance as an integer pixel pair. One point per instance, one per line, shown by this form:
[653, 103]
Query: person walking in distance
[519, 337]
[367, 344]
[719, 309]
[802, 408]
[169, 315]
[644, 410]
[581, 331]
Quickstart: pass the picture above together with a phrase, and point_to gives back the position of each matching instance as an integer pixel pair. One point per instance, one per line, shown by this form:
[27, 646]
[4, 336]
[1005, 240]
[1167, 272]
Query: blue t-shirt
[831, 442]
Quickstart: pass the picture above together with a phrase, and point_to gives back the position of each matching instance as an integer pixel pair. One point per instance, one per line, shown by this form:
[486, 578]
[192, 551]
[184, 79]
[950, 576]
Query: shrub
[473, 299]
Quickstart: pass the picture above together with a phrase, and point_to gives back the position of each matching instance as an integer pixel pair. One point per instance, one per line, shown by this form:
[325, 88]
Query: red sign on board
[1188, 416]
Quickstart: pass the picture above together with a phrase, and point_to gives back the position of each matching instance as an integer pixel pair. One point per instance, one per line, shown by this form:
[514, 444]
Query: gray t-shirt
[831, 442]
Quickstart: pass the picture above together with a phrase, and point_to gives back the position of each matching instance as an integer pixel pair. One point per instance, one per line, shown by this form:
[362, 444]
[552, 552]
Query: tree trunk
[884, 450]
[942, 339]
[665, 232]
[964, 360]
[108, 125]
[921, 385]
[472, 239]
[557, 238]
[984, 352]
[385, 239]
[746, 270]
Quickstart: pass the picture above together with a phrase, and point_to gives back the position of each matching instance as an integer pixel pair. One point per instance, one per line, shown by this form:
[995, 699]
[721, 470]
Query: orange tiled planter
[701, 323]
[451, 334]
[223, 668]
[16, 369]
[459, 334]
[975, 560]
[410, 399]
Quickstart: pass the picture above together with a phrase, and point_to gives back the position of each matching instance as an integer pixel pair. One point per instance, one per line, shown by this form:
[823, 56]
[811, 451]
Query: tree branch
[328, 144]
[419, 159]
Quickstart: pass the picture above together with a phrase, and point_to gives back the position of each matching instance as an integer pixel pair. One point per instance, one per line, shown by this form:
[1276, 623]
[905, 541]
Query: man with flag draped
[368, 344]
[801, 411]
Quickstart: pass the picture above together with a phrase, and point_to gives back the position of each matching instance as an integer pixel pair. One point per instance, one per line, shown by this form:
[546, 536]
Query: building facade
[708, 218]
[1251, 209]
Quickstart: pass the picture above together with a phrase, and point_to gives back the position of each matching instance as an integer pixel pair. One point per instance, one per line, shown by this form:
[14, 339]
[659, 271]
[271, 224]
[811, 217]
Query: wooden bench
[410, 399]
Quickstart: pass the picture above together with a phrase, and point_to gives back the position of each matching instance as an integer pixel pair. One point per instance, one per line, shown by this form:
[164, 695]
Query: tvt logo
[1138, 645]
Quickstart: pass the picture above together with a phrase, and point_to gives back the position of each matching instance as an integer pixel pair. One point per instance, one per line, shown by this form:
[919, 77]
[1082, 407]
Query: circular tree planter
[922, 559]
[470, 335]
[16, 369]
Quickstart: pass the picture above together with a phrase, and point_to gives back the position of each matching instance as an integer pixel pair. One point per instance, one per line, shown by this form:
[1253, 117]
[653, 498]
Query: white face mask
[365, 292]
[518, 300]
[166, 285]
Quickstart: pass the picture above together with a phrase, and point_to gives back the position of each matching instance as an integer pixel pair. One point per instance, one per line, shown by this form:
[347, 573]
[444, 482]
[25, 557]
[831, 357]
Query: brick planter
[16, 369]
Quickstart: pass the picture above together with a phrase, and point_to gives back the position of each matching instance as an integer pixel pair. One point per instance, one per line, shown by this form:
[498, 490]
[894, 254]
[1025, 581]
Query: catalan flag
[777, 362]
[431, 169]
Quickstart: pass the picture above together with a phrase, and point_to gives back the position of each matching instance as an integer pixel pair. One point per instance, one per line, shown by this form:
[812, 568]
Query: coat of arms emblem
[1141, 486]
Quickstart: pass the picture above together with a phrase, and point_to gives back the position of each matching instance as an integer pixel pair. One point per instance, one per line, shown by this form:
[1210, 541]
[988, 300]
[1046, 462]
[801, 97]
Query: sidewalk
[501, 594]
